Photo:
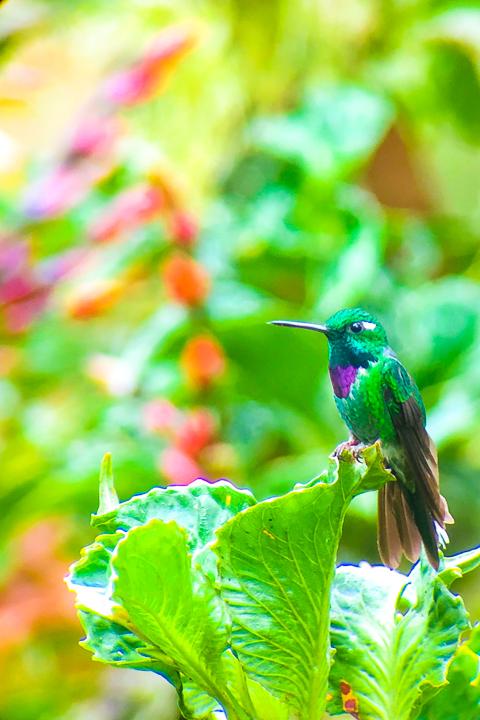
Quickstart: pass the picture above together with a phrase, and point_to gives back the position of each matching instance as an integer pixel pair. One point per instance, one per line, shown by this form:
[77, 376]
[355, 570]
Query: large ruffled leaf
[149, 563]
[110, 632]
[200, 508]
[276, 564]
[172, 605]
[460, 699]
[387, 663]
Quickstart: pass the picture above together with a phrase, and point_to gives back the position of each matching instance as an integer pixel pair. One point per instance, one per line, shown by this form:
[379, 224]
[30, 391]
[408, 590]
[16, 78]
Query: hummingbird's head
[354, 337]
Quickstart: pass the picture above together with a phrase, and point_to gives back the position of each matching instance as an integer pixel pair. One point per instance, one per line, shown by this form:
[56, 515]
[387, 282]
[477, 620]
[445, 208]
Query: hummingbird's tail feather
[425, 523]
[411, 509]
[397, 531]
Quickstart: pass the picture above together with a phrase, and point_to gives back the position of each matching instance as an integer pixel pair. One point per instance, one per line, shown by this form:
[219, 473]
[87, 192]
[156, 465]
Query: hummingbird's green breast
[364, 409]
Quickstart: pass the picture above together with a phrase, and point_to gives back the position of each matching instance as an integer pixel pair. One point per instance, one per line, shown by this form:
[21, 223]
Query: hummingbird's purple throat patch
[342, 379]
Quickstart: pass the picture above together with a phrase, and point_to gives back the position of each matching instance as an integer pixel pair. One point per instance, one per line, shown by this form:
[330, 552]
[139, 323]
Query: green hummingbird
[378, 400]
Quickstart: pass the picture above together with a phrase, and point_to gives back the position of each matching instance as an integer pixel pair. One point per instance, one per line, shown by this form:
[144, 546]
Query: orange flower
[178, 467]
[196, 432]
[93, 297]
[186, 281]
[203, 360]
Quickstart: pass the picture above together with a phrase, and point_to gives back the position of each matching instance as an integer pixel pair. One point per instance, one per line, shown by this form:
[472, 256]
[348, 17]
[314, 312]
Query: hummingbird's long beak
[306, 326]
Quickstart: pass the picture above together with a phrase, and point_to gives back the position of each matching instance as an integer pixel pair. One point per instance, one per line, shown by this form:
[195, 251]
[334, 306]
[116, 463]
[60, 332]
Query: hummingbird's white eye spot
[358, 327]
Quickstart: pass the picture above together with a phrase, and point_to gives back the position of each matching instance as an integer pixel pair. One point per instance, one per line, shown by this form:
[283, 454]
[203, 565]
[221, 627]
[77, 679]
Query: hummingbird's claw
[353, 446]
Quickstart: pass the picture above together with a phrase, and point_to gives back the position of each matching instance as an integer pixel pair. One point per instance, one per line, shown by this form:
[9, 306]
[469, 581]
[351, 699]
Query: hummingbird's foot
[353, 445]
[357, 449]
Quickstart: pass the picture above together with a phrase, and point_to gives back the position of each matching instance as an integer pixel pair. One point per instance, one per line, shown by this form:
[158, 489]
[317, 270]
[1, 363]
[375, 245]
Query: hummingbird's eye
[356, 327]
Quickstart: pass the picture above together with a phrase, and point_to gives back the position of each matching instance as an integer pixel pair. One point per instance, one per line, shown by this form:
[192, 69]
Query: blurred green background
[172, 176]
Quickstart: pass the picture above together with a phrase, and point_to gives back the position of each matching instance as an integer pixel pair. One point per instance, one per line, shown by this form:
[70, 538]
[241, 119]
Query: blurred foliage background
[172, 176]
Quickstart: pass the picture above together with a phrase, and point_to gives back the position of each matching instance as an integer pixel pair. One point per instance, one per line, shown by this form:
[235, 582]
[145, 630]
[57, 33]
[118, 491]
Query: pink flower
[159, 416]
[56, 192]
[94, 135]
[178, 467]
[131, 209]
[148, 76]
[132, 86]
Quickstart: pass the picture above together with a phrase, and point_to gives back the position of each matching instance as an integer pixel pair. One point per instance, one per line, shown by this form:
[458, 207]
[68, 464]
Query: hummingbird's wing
[416, 467]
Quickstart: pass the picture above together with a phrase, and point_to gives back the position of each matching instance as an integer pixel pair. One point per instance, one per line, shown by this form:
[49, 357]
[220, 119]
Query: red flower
[183, 228]
[129, 210]
[186, 281]
[21, 314]
[196, 432]
[178, 467]
[23, 294]
[203, 360]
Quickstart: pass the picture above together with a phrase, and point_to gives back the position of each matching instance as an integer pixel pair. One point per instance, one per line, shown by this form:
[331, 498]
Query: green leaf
[194, 703]
[232, 300]
[455, 79]
[389, 659]
[200, 508]
[460, 699]
[454, 66]
[353, 270]
[110, 631]
[171, 605]
[336, 129]
[113, 644]
[276, 565]
[465, 562]
[108, 498]
[91, 576]
[266, 706]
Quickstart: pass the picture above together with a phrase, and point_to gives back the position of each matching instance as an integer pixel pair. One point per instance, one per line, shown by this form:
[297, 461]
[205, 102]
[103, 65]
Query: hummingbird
[379, 400]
